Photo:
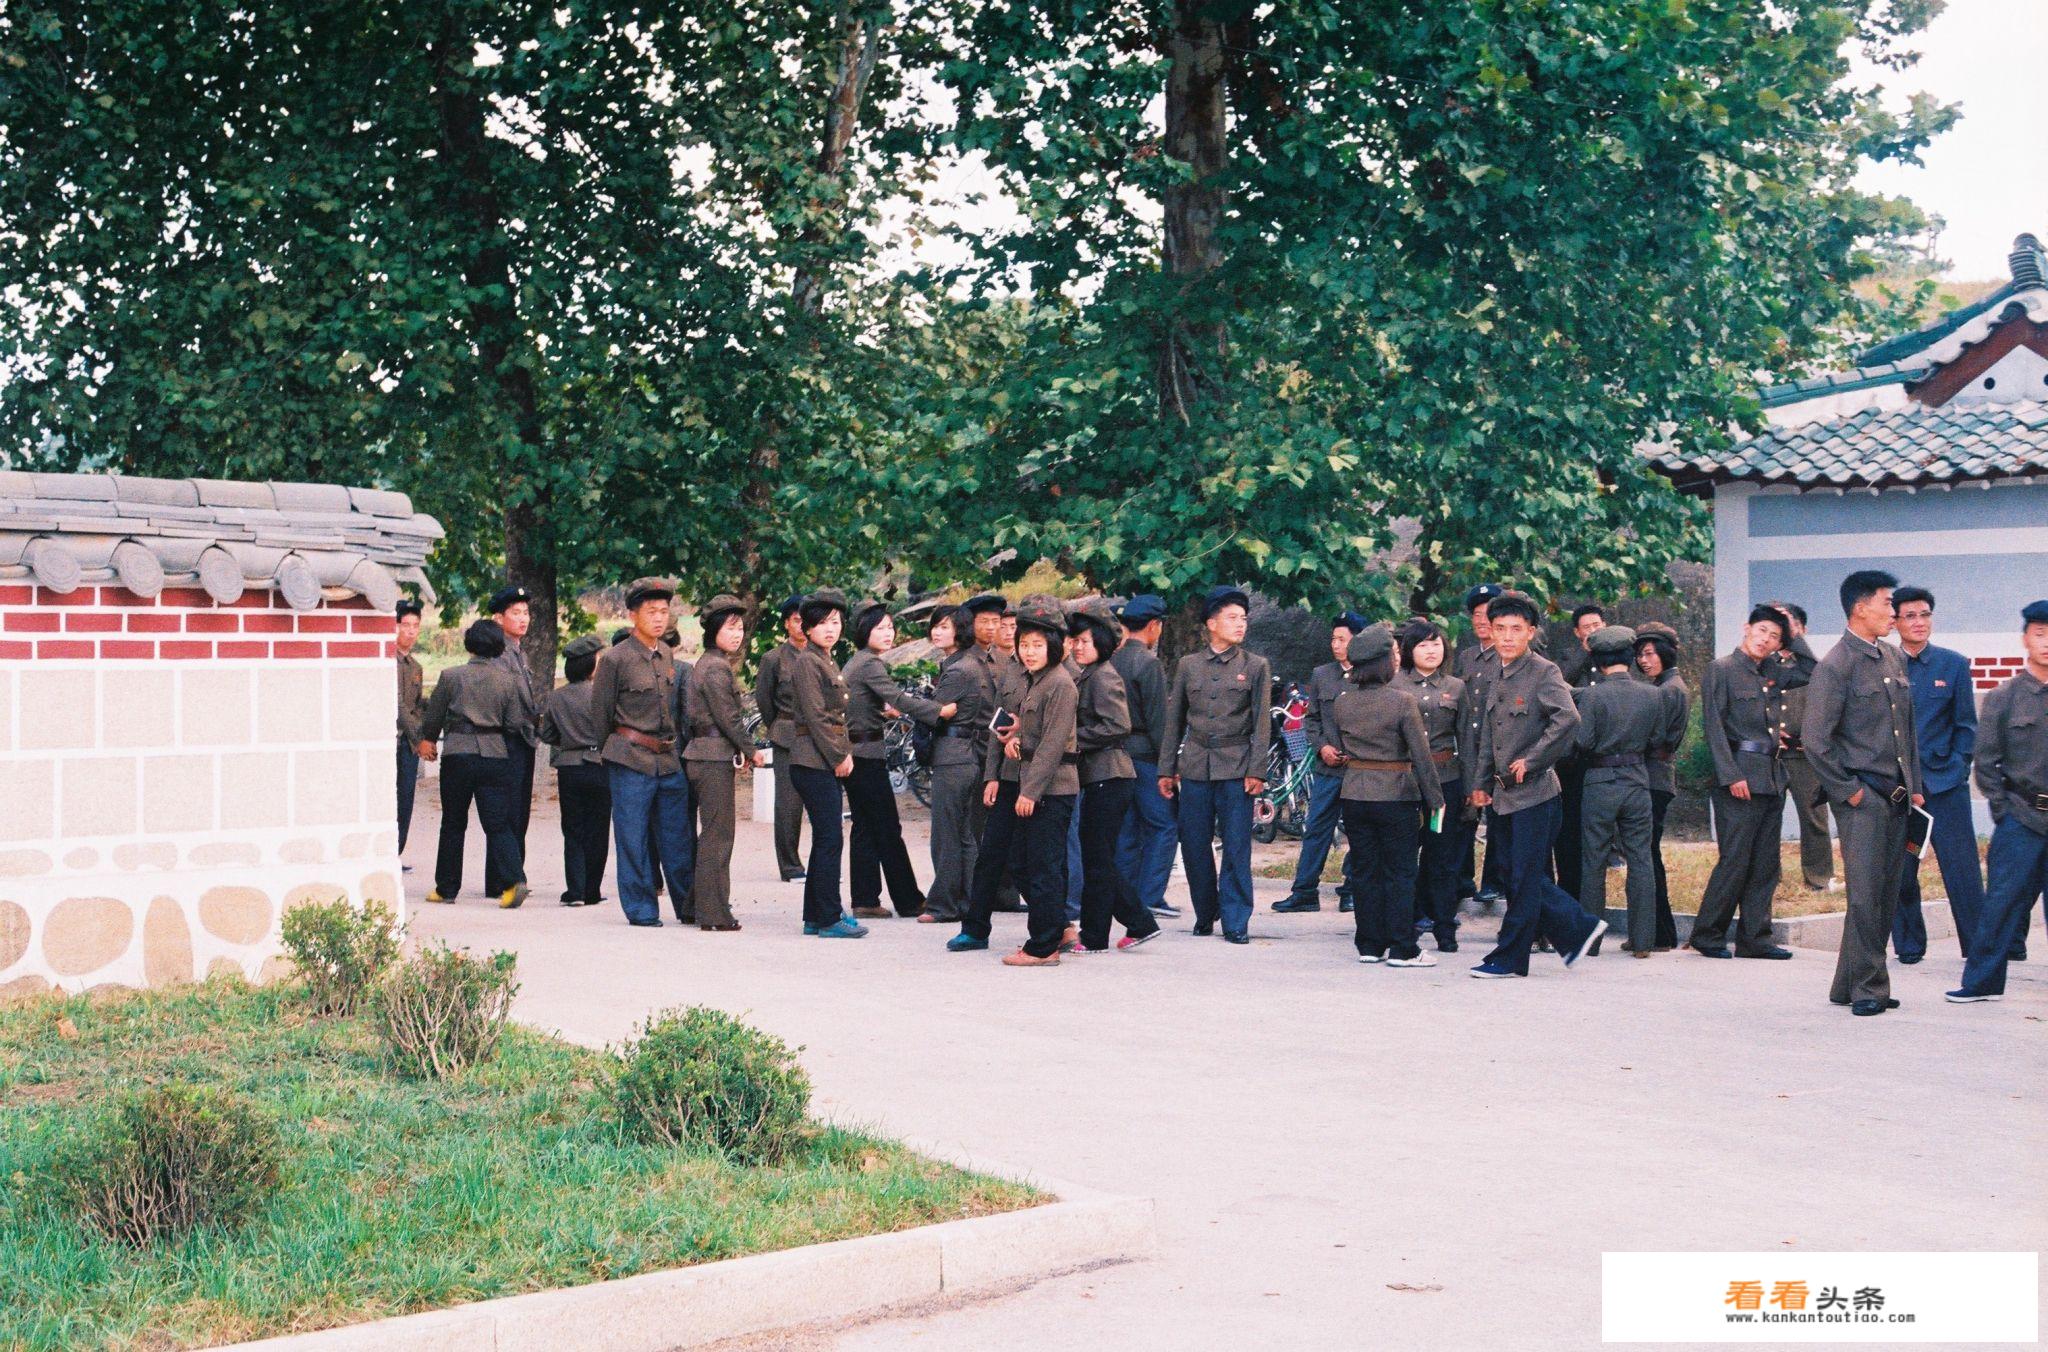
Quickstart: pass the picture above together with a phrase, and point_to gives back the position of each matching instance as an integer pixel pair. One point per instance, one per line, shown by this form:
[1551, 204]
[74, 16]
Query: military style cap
[975, 605]
[1369, 645]
[828, 596]
[648, 589]
[725, 603]
[1657, 628]
[1481, 594]
[504, 598]
[2036, 612]
[1352, 620]
[620, 636]
[589, 645]
[1143, 609]
[1616, 641]
[408, 607]
[1221, 595]
[790, 605]
[1090, 609]
[1042, 612]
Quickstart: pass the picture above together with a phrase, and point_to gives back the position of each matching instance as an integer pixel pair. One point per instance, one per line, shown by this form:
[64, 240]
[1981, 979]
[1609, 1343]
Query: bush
[444, 1010]
[341, 950]
[701, 1077]
[170, 1158]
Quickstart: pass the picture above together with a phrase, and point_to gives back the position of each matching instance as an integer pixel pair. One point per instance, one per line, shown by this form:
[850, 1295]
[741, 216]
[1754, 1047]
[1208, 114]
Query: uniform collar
[1858, 644]
[1223, 656]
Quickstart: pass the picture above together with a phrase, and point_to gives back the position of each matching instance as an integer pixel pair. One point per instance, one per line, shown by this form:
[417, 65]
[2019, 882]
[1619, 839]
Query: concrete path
[1348, 1156]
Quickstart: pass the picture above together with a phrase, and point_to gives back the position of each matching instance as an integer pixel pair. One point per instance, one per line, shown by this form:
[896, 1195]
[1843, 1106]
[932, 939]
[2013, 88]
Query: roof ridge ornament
[2028, 261]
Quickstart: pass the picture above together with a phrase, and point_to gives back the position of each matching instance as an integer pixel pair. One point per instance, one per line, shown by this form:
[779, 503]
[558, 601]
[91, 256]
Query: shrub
[341, 950]
[167, 1159]
[701, 1077]
[444, 1010]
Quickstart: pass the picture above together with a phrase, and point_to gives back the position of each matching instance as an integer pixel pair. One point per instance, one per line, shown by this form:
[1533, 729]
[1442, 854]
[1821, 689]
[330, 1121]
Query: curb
[688, 1307]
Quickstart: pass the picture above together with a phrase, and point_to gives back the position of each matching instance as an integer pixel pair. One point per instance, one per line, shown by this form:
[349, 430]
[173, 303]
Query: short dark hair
[1055, 644]
[579, 668]
[1665, 648]
[1514, 603]
[1768, 613]
[485, 638]
[1795, 610]
[1906, 595]
[1862, 584]
[1581, 612]
[870, 620]
[1107, 639]
[814, 611]
[1376, 672]
[1412, 635]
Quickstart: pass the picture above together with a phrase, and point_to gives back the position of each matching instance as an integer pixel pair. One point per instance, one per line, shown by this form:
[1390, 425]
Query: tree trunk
[1191, 355]
[490, 272]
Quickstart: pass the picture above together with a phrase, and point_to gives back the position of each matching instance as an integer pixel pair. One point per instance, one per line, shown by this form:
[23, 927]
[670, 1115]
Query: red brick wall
[1988, 673]
[182, 623]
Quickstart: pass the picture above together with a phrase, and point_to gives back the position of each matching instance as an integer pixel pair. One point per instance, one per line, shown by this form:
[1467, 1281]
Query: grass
[400, 1196]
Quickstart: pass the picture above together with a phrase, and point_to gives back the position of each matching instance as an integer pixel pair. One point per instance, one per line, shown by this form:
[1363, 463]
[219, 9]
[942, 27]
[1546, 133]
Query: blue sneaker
[1490, 971]
[843, 928]
[809, 928]
[965, 943]
[1586, 944]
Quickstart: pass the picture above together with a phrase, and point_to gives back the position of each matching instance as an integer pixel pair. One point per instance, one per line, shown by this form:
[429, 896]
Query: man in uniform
[1476, 664]
[1945, 726]
[1326, 784]
[1795, 669]
[1577, 669]
[1742, 713]
[2012, 771]
[1621, 720]
[512, 608]
[1860, 741]
[632, 705]
[1220, 704]
[412, 707]
[1529, 722]
[1145, 850]
[770, 700]
[967, 681]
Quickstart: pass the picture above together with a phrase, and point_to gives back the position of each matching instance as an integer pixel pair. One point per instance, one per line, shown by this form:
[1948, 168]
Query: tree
[1438, 266]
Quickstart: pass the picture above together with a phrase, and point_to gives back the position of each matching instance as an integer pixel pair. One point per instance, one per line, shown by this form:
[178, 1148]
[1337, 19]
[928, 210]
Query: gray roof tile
[1914, 444]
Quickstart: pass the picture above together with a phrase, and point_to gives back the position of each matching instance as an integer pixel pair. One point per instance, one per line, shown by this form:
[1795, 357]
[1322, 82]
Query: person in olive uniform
[873, 696]
[1213, 759]
[1859, 740]
[412, 708]
[718, 747]
[1031, 780]
[1577, 668]
[1657, 660]
[1007, 693]
[1102, 730]
[1528, 722]
[476, 715]
[1742, 715]
[1816, 845]
[1621, 721]
[821, 759]
[581, 781]
[1424, 675]
[771, 702]
[1151, 835]
[512, 608]
[2012, 773]
[1476, 664]
[967, 682]
[1326, 684]
[633, 708]
[1389, 785]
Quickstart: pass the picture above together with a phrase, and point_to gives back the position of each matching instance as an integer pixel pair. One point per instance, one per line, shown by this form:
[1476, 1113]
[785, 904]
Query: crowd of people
[1066, 769]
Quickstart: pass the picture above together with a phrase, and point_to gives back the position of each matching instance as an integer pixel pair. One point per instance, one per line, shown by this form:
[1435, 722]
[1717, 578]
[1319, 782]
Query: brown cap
[648, 589]
[1042, 612]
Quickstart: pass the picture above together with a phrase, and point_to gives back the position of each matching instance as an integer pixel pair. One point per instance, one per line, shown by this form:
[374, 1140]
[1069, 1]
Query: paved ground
[1321, 1135]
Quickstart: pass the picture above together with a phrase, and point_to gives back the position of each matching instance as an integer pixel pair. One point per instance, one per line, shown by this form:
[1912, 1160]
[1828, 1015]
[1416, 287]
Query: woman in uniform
[476, 710]
[1389, 783]
[1426, 676]
[1031, 782]
[1108, 782]
[820, 759]
[956, 766]
[873, 697]
[1657, 659]
[582, 783]
[718, 747]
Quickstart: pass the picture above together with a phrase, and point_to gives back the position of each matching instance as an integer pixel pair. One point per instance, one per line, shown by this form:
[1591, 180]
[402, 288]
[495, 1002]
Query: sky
[1989, 176]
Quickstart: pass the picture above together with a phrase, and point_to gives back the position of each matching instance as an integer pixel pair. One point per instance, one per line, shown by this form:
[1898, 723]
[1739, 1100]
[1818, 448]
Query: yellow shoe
[438, 899]
[512, 896]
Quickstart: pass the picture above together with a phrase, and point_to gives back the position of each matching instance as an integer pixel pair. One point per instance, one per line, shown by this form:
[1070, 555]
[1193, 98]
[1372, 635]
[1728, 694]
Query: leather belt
[1621, 761]
[660, 746]
[1893, 791]
[1391, 766]
[2027, 792]
[1443, 757]
[1217, 743]
[1663, 756]
[863, 738]
[1758, 748]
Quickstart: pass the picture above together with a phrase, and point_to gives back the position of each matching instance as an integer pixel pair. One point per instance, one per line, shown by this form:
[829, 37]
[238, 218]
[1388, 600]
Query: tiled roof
[1879, 447]
[66, 530]
[1840, 382]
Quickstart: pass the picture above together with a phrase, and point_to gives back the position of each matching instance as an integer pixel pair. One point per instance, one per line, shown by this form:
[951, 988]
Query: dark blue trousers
[1954, 838]
[660, 804]
[1536, 904]
[408, 780]
[1325, 815]
[1145, 849]
[1436, 875]
[2019, 870]
[823, 799]
[1207, 805]
[1380, 866]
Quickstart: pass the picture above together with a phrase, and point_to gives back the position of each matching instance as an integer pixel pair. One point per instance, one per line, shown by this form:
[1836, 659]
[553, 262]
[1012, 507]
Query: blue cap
[505, 598]
[987, 601]
[1352, 620]
[1221, 595]
[1481, 594]
[2036, 612]
[1142, 609]
[791, 605]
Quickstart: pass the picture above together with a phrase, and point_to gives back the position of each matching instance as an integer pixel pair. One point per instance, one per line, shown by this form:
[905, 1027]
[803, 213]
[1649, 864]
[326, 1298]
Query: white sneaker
[1372, 957]
[1419, 960]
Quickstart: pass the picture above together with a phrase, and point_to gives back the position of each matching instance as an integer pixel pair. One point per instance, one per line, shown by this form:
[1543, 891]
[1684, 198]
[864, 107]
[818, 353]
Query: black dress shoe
[1888, 1004]
[1447, 945]
[1717, 951]
[1230, 938]
[1908, 959]
[1344, 906]
[1204, 928]
[794, 877]
[2017, 955]
[1297, 905]
[1773, 953]
[645, 924]
[1865, 1008]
